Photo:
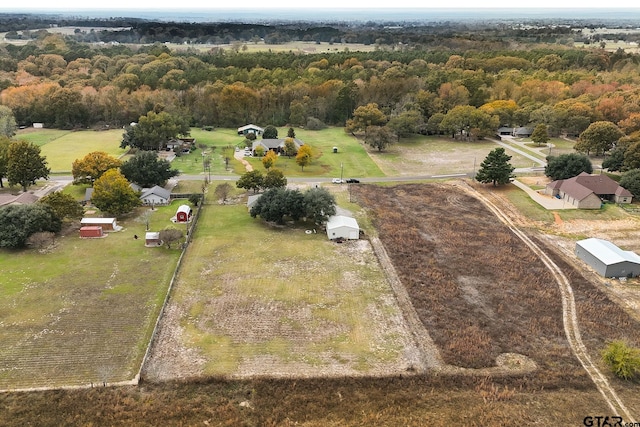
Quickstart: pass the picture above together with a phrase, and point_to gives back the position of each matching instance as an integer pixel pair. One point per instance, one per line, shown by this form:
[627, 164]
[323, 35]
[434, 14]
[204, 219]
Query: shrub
[315, 124]
[623, 360]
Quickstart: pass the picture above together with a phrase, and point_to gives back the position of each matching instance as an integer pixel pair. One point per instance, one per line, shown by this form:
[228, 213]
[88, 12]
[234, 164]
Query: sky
[72, 5]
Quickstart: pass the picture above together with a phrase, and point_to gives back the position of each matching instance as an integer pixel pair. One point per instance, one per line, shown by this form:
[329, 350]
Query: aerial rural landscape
[319, 222]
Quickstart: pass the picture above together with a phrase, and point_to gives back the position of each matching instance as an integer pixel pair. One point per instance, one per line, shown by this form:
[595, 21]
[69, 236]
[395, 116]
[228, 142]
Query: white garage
[344, 227]
[608, 259]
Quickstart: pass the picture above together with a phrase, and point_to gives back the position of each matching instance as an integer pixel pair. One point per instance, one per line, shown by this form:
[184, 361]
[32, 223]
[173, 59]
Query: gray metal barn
[608, 259]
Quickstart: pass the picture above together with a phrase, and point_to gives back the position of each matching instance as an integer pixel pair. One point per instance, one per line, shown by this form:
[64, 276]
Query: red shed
[183, 214]
[89, 232]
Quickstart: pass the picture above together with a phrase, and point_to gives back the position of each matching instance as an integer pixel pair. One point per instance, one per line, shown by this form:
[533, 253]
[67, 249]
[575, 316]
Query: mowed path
[569, 314]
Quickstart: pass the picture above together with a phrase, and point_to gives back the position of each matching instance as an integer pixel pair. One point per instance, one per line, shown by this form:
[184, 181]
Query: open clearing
[254, 300]
[61, 148]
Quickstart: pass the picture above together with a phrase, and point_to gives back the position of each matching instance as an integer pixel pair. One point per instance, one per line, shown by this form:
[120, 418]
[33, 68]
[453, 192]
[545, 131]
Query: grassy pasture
[289, 301]
[433, 155]
[61, 148]
[83, 310]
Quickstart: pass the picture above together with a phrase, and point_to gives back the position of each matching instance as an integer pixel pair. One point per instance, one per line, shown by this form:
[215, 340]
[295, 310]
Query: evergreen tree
[495, 168]
[25, 165]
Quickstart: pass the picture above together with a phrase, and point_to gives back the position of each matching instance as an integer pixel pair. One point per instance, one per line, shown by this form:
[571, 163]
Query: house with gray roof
[607, 259]
[276, 145]
[155, 196]
[588, 191]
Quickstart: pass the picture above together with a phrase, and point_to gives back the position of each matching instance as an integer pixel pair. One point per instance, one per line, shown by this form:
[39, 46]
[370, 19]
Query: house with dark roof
[588, 191]
[276, 145]
[522, 132]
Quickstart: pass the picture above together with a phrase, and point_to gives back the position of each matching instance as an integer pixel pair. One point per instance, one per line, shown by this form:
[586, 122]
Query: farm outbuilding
[107, 224]
[607, 259]
[183, 214]
[91, 232]
[152, 239]
[345, 227]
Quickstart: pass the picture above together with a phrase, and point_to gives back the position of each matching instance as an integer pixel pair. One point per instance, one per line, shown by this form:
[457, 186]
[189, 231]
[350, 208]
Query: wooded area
[463, 83]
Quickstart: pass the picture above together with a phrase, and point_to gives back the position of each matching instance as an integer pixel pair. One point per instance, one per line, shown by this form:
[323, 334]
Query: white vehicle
[337, 180]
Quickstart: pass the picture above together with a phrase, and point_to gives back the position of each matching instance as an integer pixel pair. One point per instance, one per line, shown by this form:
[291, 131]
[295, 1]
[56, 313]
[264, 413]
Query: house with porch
[587, 191]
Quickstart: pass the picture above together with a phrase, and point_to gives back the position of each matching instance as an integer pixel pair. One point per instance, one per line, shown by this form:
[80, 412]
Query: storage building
[107, 224]
[91, 232]
[183, 214]
[339, 226]
[607, 259]
[152, 239]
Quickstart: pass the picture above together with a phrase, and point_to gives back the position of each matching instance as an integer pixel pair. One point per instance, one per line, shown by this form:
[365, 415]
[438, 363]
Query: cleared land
[254, 300]
[61, 148]
[437, 155]
[82, 311]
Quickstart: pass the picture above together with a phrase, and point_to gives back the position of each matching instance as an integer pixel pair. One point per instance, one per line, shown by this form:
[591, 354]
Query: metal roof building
[608, 259]
[339, 226]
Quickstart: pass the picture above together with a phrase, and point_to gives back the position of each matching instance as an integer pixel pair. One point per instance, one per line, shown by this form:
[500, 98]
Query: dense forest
[423, 79]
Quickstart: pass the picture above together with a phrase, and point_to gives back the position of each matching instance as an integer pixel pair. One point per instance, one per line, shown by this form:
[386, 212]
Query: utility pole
[341, 170]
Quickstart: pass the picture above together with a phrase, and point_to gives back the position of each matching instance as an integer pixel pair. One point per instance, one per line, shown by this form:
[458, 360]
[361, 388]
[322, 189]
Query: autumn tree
[631, 157]
[406, 123]
[290, 148]
[25, 165]
[112, 193]
[92, 166]
[154, 130]
[599, 138]
[269, 159]
[64, 205]
[540, 135]
[365, 116]
[147, 169]
[567, 166]
[495, 168]
[379, 137]
[303, 158]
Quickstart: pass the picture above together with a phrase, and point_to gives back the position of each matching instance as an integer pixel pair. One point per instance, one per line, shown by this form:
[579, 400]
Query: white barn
[607, 259]
[345, 227]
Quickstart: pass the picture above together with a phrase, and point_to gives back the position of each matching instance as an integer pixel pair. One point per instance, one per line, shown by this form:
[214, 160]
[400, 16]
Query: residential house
[276, 145]
[155, 196]
[588, 191]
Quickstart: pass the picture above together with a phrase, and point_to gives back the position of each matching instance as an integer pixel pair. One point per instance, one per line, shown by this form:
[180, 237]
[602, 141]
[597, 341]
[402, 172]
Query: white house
[345, 227]
[250, 128]
[155, 196]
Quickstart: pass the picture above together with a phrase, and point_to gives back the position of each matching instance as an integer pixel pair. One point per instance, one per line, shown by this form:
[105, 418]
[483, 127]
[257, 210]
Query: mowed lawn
[253, 299]
[82, 312]
[61, 148]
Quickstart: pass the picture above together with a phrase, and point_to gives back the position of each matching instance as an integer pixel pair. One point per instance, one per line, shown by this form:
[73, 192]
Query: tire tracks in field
[569, 313]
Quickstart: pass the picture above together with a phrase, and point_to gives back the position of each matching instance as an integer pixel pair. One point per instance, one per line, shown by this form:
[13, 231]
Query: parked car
[337, 180]
[353, 181]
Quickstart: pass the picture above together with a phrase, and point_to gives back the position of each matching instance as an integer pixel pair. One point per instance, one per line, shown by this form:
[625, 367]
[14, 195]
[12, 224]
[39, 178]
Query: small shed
[607, 259]
[345, 227]
[107, 224]
[152, 239]
[184, 213]
[91, 232]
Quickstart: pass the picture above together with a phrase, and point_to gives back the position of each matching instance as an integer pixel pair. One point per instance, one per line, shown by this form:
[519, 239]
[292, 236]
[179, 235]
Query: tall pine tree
[495, 168]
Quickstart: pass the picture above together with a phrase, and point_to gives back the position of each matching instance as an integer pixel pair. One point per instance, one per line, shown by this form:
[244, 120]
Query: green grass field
[82, 311]
[61, 148]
